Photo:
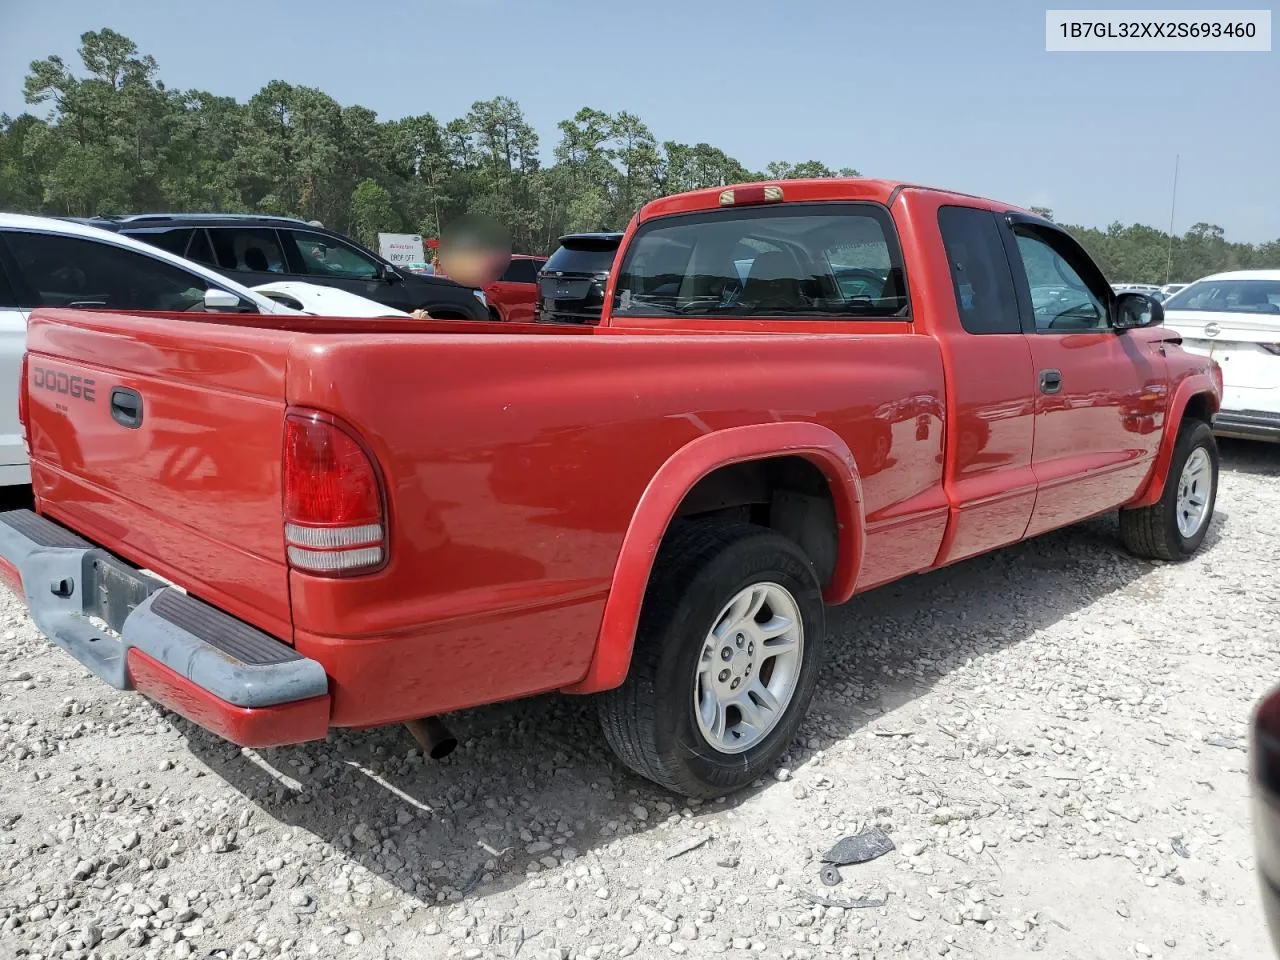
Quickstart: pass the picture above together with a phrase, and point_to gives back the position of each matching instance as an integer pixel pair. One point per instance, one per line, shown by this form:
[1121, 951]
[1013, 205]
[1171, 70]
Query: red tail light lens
[22, 395]
[334, 513]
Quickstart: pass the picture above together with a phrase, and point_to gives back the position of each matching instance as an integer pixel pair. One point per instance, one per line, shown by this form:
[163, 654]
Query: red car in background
[513, 297]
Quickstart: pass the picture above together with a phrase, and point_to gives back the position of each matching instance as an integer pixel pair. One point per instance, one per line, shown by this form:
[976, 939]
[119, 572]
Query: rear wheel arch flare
[818, 446]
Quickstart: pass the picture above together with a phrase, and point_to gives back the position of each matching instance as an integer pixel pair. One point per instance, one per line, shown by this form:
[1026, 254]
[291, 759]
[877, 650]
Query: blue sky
[961, 95]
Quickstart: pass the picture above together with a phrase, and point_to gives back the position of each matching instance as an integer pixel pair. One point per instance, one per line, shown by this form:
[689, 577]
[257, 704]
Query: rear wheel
[1174, 527]
[725, 660]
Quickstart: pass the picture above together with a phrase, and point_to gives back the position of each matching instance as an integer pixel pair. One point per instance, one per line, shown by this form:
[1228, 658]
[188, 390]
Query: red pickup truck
[797, 391]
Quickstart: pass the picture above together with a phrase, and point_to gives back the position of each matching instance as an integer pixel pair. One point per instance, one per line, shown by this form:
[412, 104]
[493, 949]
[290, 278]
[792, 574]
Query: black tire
[650, 720]
[1152, 532]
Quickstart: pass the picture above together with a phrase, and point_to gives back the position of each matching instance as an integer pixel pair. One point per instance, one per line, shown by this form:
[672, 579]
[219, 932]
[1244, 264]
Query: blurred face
[474, 250]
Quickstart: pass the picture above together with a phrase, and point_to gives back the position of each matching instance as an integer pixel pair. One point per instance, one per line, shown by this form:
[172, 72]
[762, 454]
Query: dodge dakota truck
[797, 391]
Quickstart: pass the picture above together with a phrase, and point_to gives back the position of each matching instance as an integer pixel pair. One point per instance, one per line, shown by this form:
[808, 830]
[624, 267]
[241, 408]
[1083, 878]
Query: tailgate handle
[126, 407]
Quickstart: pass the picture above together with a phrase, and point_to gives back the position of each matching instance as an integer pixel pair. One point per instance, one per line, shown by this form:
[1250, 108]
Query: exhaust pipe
[433, 736]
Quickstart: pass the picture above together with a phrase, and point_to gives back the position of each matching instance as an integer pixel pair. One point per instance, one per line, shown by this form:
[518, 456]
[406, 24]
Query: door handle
[126, 407]
[1050, 381]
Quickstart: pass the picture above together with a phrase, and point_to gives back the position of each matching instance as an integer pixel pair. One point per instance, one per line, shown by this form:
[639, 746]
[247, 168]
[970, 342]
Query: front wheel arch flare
[1197, 394]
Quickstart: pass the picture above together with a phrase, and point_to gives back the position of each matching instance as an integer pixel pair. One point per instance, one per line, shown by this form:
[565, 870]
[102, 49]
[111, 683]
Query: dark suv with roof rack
[572, 282]
[255, 249]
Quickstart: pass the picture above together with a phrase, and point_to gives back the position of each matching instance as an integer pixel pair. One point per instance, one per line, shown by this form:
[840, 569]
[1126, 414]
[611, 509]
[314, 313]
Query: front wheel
[725, 661]
[1175, 526]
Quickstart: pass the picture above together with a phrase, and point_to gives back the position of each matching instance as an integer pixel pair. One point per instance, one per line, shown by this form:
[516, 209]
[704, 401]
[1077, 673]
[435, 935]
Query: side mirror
[1133, 310]
[215, 299]
[388, 273]
[1264, 764]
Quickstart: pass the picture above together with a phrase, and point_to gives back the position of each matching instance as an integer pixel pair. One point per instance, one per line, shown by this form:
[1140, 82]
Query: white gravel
[1052, 735]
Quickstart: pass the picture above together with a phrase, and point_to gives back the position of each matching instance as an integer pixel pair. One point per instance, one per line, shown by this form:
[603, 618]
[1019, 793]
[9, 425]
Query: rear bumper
[199, 662]
[1248, 424]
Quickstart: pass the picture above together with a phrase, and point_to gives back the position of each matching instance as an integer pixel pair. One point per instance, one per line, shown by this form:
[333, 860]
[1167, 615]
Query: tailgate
[160, 438]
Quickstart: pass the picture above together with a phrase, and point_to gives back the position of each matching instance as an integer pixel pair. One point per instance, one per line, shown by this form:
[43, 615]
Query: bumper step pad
[218, 671]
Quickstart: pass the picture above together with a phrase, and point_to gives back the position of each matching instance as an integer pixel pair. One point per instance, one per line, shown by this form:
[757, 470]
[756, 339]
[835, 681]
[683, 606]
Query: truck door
[990, 482]
[1099, 392]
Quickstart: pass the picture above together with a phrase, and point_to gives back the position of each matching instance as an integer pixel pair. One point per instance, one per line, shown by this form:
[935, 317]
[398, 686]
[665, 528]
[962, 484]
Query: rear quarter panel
[515, 464]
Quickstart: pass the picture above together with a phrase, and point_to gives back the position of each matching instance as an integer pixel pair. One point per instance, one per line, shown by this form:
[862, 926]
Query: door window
[326, 257]
[980, 276]
[1061, 300]
[249, 249]
[74, 272]
[7, 298]
[521, 271]
[175, 241]
[200, 250]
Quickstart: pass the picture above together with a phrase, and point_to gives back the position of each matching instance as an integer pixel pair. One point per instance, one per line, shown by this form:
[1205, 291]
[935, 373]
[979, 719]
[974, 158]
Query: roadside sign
[401, 248]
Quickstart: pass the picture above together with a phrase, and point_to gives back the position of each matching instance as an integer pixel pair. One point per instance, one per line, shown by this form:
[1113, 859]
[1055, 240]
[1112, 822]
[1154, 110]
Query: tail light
[335, 518]
[22, 395]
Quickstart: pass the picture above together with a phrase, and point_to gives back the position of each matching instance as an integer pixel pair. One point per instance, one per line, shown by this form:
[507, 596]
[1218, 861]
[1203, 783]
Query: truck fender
[661, 498]
[1192, 386]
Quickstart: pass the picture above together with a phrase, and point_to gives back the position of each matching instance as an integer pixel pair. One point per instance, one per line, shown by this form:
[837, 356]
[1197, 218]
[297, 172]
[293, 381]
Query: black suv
[252, 250]
[571, 284]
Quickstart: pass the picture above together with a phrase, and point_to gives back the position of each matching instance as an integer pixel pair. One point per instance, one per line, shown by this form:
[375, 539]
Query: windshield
[798, 260]
[1228, 296]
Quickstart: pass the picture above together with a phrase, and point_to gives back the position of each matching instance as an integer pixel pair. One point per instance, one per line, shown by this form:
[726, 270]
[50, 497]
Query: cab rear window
[834, 260]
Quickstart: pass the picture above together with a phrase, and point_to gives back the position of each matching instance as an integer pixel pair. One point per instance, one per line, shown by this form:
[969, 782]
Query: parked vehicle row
[794, 392]
[255, 250]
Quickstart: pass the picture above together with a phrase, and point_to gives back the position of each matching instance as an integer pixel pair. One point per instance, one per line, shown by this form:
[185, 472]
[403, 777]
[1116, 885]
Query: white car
[1235, 318]
[59, 263]
[321, 301]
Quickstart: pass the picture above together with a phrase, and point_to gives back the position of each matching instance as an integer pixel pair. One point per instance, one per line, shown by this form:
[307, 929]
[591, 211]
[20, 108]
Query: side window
[521, 271]
[251, 249]
[8, 299]
[980, 276]
[74, 272]
[200, 250]
[1061, 300]
[788, 261]
[326, 257]
[175, 241]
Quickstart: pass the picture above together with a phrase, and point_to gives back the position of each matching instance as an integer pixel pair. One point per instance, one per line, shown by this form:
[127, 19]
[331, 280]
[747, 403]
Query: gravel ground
[1051, 735]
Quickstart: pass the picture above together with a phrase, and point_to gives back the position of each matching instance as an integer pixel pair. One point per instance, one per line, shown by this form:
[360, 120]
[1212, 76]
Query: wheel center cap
[737, 663]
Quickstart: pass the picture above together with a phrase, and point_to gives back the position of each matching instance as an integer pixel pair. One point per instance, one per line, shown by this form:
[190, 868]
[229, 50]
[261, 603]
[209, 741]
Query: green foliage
[1142, 254]
[371, 212]
[113, 139]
